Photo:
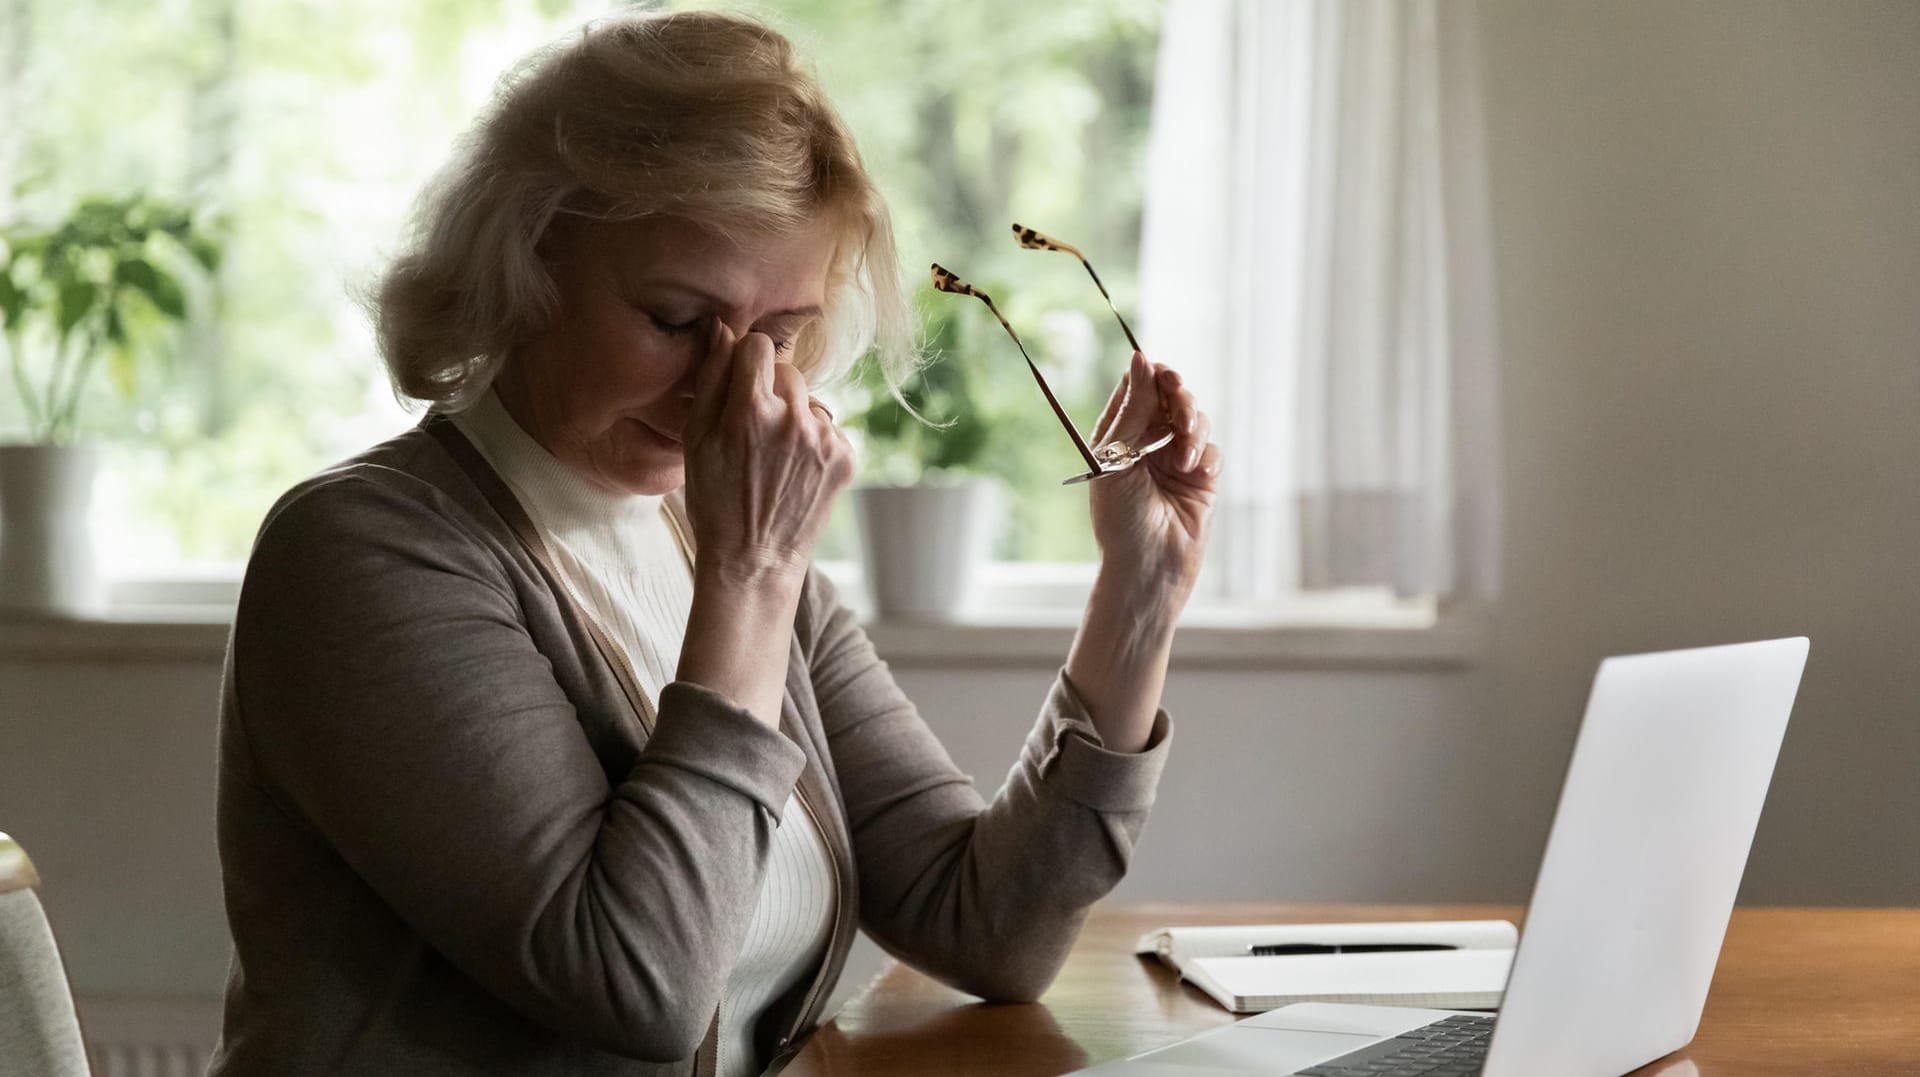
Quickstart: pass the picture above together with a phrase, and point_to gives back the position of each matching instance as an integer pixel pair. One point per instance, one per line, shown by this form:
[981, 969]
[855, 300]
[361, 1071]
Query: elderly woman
[543, 749]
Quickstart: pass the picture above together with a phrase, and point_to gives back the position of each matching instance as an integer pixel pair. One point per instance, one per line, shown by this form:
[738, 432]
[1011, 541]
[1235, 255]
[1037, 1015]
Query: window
[309, 128]
[306, 128]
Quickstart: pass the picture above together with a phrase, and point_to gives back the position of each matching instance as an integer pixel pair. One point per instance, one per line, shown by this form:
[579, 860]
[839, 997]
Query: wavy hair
[703, 116]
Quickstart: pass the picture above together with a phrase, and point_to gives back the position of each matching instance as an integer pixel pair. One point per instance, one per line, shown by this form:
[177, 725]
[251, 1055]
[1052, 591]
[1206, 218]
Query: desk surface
[1798, 991]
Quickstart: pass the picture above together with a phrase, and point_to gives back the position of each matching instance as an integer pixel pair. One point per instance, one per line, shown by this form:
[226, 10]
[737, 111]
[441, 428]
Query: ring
[814, 402]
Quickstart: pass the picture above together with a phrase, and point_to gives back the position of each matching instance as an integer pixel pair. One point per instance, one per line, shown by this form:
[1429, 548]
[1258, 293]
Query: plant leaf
[159, 286]
[13, 301]
[168, 295]
[136, 272]
[117, 329]
[962, 441]
[77, 300]
[123, 367]
[205, 250]
[884, 419]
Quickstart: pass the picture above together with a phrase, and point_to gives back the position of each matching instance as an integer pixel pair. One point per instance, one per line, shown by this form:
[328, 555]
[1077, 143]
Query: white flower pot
[922, 545]
[46, 546]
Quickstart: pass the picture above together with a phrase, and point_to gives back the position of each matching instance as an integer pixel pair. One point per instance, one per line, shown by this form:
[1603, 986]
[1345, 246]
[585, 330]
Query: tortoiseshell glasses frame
[1109, 457]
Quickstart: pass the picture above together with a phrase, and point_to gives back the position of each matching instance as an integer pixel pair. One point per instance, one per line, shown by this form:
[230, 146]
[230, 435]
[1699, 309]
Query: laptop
[1630, 907]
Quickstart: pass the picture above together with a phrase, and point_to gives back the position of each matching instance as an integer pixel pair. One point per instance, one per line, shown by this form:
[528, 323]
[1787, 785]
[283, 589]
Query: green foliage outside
[308, 129]
[973, 116]
[109, 281]
[937, 425]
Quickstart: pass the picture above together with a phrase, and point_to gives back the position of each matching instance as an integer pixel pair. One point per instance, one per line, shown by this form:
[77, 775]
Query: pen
[1294, 948]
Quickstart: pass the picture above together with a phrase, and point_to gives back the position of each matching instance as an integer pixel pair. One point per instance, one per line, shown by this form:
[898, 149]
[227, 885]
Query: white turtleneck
[618, 555]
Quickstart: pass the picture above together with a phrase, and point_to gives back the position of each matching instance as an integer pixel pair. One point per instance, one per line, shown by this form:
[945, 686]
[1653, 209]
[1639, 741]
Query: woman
[544, 751]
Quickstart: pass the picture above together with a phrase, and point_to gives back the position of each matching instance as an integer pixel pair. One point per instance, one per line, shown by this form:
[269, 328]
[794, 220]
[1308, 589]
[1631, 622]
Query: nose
[692, 375]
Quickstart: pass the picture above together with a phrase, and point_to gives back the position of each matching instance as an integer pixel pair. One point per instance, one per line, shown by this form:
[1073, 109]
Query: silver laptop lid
[1646, 852]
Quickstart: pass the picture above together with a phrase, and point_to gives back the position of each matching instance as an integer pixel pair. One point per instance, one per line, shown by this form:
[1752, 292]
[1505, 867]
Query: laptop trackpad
[1261, 1050]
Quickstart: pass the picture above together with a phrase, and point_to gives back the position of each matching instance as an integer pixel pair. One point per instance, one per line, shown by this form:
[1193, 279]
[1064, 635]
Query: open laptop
[1656, 817]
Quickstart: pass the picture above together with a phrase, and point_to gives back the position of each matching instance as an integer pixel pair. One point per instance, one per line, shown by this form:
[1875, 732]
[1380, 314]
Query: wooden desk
[1798, 991]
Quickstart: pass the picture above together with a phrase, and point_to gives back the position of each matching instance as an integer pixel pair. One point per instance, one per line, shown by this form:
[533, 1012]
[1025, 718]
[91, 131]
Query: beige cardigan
[456, 839]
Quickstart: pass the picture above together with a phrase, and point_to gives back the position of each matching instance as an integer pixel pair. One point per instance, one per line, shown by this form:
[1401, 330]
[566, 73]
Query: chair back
[39, 1033]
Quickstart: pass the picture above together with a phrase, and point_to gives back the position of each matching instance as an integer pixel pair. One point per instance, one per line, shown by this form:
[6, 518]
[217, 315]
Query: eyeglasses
[1111, 456]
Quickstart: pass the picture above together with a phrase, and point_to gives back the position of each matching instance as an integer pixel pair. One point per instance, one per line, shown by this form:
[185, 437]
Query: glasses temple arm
[1093, 462]
[1124, 327]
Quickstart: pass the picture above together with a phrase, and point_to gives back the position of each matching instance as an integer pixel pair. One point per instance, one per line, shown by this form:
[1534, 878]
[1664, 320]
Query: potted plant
[105, 288]
[924, 510]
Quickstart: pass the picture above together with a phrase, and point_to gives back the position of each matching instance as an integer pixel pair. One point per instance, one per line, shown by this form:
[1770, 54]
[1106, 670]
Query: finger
[1172, 389]
[753, 372]
[1194, 442]
[1142, 406]
[844, 458]
[1204, 475]
[1112, 408]
[709, 387]
[791, 386]
[1181, 415]
[1168, 384]
[1210, 462]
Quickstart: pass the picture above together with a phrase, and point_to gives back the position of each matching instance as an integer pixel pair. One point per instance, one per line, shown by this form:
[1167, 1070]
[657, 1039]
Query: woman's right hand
[763, 464]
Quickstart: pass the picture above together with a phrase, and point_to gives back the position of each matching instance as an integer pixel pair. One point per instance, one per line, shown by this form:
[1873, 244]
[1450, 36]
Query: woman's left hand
[1151, 520]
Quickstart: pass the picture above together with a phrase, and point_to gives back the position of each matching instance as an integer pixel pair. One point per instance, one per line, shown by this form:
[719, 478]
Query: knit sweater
[619, 555]
[455, 839]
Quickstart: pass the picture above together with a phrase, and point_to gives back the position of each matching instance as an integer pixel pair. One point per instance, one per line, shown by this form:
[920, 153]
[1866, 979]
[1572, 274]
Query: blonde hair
[702, 116]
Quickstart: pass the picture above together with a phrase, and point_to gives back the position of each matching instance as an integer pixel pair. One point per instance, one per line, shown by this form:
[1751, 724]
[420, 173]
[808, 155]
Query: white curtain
[1317, 260]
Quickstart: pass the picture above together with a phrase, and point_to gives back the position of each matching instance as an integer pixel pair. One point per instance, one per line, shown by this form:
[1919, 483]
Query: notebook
[1462, 964]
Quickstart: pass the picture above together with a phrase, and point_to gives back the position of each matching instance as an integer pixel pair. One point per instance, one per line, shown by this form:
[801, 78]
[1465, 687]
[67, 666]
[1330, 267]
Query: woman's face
[607, 386]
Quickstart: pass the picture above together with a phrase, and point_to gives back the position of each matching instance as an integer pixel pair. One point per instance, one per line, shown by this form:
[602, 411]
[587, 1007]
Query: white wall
[1710, 234]
[106, 777]
[1709, 229]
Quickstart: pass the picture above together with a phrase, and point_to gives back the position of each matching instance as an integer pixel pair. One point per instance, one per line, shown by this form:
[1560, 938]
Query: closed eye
[691, 326]
[786, 337]
[673, 328]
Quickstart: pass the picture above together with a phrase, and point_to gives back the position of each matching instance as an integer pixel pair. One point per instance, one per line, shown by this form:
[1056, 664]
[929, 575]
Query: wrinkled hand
[763, 463]
[1151, 520]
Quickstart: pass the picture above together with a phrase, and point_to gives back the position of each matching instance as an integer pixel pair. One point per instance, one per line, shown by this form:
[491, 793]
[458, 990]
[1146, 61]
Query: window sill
[1452, 642]
[185, 634]
[1207, 640]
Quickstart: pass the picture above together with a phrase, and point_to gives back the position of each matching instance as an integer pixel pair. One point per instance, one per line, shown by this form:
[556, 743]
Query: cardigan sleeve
[985, 896]
[393, 701]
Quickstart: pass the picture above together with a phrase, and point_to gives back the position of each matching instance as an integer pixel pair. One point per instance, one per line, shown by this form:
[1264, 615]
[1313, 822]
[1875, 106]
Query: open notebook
[1469, 974]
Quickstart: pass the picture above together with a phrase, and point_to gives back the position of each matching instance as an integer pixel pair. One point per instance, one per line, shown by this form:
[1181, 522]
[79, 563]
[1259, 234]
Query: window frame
[187, 617]
[1016, 597]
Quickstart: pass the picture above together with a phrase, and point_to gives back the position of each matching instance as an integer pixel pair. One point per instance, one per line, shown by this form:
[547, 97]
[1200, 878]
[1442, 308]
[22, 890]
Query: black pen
[1292, 949]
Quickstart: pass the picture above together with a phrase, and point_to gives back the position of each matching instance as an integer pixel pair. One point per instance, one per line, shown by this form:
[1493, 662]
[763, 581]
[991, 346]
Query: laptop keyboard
[1449, 1047]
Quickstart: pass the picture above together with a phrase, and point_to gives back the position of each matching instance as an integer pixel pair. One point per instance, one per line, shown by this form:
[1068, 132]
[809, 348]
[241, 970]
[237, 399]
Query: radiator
[130, 1037]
